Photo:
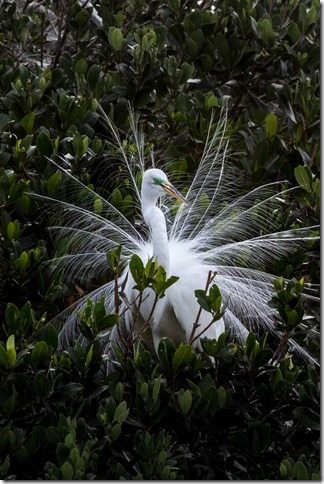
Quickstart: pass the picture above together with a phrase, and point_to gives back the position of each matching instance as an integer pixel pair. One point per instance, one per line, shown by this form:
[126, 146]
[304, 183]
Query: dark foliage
[64, 63]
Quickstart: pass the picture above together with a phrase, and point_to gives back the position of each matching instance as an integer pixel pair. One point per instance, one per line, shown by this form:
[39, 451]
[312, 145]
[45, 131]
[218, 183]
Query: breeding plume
[214, 229]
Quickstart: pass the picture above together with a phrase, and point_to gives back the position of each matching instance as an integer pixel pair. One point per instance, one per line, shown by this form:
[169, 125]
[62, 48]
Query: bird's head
[155, 184]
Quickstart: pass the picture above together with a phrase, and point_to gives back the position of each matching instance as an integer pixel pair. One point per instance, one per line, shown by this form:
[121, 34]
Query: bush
[62, 418]
[64, 64]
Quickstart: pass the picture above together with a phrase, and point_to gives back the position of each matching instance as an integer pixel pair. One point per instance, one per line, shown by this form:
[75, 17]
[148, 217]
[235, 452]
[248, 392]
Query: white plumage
[238, 237]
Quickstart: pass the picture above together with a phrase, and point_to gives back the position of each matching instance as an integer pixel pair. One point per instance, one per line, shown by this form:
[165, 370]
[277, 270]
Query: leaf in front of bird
[203, 299]
[181, 357]
[215, 298]
[161, 283]
[136, 268]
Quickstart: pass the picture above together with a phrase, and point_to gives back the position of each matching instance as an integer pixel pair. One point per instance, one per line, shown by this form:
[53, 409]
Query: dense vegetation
[62, 64]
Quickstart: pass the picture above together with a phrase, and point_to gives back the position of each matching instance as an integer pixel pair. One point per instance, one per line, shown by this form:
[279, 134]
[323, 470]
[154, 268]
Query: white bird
[174, 314]
[235, 236]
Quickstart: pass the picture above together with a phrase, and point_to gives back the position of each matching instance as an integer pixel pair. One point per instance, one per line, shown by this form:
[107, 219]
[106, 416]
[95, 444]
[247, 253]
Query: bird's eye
[158, 181]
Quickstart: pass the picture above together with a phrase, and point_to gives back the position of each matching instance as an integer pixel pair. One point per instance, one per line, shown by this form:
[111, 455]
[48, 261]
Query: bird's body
[236, 237]
[174, 314]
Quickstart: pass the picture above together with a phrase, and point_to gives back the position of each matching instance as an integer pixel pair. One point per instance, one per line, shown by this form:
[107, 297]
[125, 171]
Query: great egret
[237, 237]
[174, 315]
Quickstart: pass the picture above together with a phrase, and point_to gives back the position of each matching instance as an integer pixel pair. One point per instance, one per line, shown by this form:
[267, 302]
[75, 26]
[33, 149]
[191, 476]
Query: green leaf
[211, 101]
[44, 144]
[203, 299]
[156, 388]
[266, 30]
[121, 412]
[41, 385]
[27, 122]
[182, 356]
[136, 268]
[215, 298]
[12, 314]
[185, 401]
[53, 435]
[89, 357]
[187, 71]
[53, 183]
[62, 450]
[262, 357]
[119, 391]
[11, 350]
[115, 431]
[11, 231]
[304, 177]
[250, 343]
[97, 206]
[4, 360]
[221, 396]
[49, 335]
[23, 261]
[286, 468]
[115, 38]
[144, 390]
[294, 32]
[67, 471]
[300, 471]
[271, 125]
[293, 318]
[79, 145]
[192, 48]
[81, 67]
[39, 353]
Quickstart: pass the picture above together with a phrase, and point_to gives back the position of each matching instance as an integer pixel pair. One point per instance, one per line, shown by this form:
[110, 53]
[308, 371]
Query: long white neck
[154, 218]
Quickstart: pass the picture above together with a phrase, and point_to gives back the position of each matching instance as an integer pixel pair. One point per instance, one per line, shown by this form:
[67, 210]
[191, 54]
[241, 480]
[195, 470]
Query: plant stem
[196, 323]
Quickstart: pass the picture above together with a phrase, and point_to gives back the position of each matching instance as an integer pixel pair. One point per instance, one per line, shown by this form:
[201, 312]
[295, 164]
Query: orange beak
[171, 190]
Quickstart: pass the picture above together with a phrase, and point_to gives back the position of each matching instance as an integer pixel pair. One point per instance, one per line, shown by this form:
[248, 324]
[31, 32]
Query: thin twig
[281, 349]
[196, 323]
[146, 323]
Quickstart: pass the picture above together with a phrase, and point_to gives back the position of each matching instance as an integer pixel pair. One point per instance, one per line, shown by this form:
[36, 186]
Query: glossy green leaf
[185, 401]
[115, 431]
[304, 177]
[39, 353]
[271, 125]
[11, 350]
[300, 471]
[44, 144]
[12, 314]
[28, 122]
[67, 471]
[187, 71]
[221, 396]
[116, 38]
[121, 412]
[49, 334]
[81, 67]
[41, 385]
[203, 299]
[182, 356]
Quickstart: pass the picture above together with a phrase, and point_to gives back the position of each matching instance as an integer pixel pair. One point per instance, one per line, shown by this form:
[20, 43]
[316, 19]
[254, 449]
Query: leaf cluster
[166, 418]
